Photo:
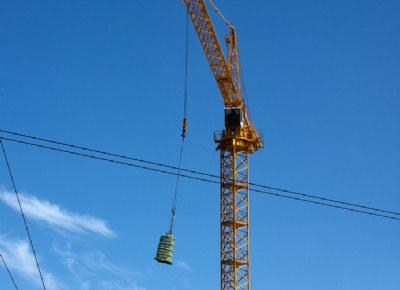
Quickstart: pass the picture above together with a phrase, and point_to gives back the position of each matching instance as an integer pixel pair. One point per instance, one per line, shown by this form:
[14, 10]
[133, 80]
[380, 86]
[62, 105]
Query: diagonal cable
[22, 213]
[9, 273]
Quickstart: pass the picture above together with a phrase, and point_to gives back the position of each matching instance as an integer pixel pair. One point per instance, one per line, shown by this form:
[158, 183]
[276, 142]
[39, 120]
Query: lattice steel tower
[239, 139]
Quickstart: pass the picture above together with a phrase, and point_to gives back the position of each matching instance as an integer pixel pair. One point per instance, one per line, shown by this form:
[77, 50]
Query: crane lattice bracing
[239, 139]
[235, 260]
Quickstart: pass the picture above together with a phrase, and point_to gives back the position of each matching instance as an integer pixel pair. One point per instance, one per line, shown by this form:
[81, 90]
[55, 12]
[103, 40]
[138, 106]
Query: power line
[22, 213]
[325, 204]
[107, 159]
[324, 199]
[8, 270]
[103, 152]
[196, 178]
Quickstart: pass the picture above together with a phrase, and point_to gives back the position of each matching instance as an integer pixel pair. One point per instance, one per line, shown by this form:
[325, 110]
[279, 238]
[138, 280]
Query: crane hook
[184, 125]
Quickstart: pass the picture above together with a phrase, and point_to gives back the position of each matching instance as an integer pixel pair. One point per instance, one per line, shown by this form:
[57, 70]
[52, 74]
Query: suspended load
[165, 249]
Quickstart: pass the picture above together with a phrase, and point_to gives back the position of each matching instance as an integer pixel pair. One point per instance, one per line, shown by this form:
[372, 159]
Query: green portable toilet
[165, 249]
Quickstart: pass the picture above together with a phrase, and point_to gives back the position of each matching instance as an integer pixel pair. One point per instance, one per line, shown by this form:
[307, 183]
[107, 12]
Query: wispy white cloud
[54, 215]
[89, 271]
[106, 285]
[90, 264]
[83, 270]
[94, 271]
[183, 265]
[20, 260]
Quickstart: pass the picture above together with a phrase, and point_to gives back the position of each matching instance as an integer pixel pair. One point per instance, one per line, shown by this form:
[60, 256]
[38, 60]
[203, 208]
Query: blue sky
[323, 79]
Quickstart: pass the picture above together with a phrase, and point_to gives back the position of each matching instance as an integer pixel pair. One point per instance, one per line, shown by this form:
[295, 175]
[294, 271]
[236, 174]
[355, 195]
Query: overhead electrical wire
[99, 152]
[105, 159]
[8, 270]
[323, 202]
[22, 213]
[326, 199]
[181, 169]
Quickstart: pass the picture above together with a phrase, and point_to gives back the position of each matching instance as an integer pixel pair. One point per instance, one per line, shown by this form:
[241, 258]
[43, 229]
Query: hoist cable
[172, 167]
[184, 124]
[177, 177]
[185, 92]
[22, 213]
[174, 201]
[205, 179]
[8, 270]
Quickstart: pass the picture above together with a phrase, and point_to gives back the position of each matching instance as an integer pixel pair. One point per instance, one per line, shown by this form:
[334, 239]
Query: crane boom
[239, 139]
[211, 46]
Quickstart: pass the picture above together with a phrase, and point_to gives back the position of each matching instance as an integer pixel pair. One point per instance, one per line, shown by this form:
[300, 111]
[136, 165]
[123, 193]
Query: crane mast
[239, 139]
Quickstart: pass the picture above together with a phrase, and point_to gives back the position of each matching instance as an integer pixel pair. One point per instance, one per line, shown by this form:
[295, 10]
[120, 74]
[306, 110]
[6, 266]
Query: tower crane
[239, 139]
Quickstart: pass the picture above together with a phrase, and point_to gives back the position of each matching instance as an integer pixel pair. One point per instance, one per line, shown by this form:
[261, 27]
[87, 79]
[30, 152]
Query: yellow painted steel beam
[235, 143]
[208, 38]
[234, 220]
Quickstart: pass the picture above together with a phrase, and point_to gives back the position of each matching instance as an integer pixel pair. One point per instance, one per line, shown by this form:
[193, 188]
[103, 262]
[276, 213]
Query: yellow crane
[239, 139]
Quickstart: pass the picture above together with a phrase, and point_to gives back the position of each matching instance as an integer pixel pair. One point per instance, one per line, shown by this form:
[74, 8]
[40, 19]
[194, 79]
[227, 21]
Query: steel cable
[190, 171]
[196, 178]
[8, 270]
[22, 214]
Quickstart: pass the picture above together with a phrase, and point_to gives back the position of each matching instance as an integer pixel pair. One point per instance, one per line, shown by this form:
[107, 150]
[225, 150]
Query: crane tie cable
[221, 15]
[22, 213]
[9, 273]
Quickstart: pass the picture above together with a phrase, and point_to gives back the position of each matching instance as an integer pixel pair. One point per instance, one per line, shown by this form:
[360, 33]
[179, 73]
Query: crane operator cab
[233, 117]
